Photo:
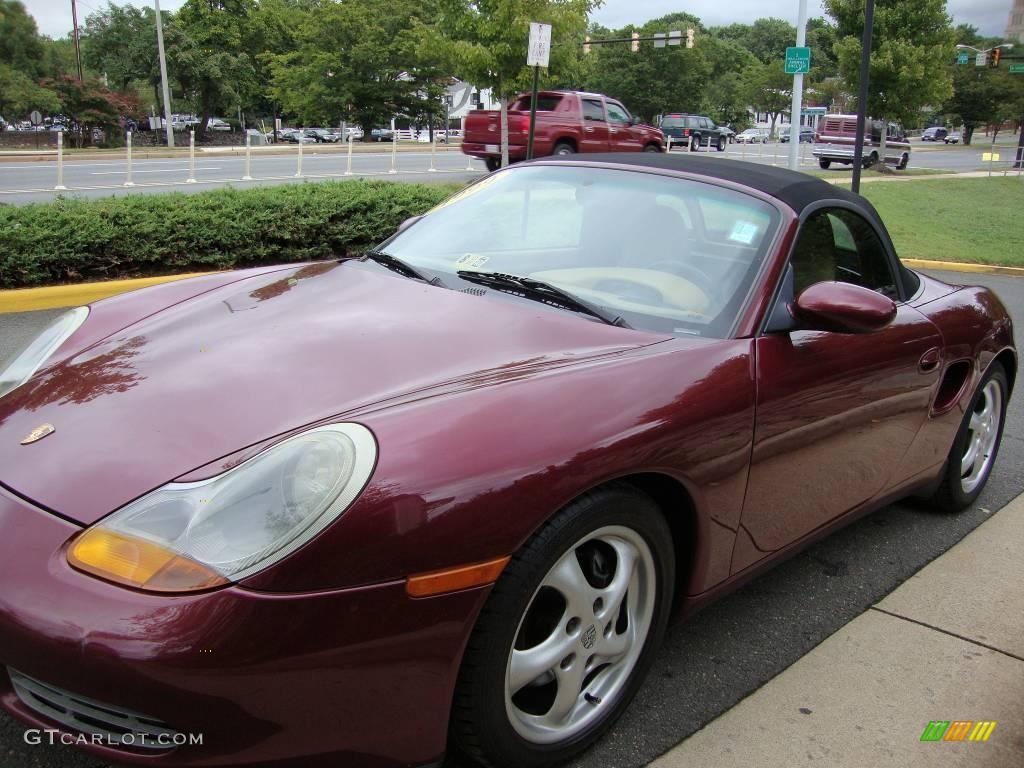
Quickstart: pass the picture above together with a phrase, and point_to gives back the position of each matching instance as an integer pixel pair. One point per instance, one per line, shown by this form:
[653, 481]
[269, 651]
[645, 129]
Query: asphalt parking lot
[711, 662]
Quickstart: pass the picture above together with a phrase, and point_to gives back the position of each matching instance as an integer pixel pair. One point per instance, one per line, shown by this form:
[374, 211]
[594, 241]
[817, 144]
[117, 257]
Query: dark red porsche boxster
[446, 496]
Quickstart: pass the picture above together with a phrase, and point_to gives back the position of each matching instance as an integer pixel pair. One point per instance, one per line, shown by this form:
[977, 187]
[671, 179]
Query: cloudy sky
[53, 17]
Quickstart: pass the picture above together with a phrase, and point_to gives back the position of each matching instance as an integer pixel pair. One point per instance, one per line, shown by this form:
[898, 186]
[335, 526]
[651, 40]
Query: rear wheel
[564, 148]
[903, 163]
[976, 444]
[492, 163]
[872, 160]
[568, 633]
[824, 164]
[695, 144]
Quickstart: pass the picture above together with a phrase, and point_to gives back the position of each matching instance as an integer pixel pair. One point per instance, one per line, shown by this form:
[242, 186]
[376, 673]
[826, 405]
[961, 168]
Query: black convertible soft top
[797, 190]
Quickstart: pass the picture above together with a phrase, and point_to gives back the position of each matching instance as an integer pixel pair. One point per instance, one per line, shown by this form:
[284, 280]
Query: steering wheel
[695, 275]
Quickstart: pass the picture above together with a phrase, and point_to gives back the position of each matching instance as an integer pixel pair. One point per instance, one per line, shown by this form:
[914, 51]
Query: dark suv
[694, 130]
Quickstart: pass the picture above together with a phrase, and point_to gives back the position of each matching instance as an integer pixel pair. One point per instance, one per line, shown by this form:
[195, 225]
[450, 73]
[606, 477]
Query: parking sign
[540, 45]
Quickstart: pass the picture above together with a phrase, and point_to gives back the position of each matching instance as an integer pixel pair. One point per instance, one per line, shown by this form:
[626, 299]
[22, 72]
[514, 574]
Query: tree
[20, 94]
[205, 53]
[912, 45]
[484, 42]
[89, 104]
[653, 81]
[120, 43]
[356, 61]
[769, 89]
[767, 39]
[21, 48]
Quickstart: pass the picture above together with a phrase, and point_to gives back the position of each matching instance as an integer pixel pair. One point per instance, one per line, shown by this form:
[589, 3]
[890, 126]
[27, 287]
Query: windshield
[666, 254]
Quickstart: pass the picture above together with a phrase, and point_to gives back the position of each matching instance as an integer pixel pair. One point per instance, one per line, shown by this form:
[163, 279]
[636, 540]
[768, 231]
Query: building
[1015, 24]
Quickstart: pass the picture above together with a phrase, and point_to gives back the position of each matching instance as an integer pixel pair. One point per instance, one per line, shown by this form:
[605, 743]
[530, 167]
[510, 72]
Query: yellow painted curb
[961, 266]
[51, 297]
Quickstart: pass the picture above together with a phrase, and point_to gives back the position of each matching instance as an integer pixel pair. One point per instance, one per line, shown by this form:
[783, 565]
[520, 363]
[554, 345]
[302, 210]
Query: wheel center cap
[589, 637]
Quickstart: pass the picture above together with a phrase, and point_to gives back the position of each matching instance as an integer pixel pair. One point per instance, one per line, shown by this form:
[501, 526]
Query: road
[27, 182]
[732, 648]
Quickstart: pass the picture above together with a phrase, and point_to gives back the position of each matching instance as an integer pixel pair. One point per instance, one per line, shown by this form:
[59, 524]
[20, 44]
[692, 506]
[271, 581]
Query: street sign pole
[537, 56]
[533, 114]
[862, 96]
[798, 92]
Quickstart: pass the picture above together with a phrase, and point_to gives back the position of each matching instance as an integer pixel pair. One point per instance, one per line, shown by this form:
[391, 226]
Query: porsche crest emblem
[38, 433]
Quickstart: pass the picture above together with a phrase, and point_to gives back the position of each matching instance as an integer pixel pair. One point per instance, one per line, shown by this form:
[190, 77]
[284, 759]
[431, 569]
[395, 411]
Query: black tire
[824, 164]
[563, 148]
[480, 725]
[871, 160]
[903, 163]
[721, 144]
[950, 497]
[695, 144]
[652, 148]
[492, 163]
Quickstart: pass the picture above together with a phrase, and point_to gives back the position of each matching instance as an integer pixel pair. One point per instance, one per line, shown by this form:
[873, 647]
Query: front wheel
[903, 163]
[652, 148]
[976, 444]
[721, 144]
[564, 148]
[824, 164]
[492, 163]
[568, 633]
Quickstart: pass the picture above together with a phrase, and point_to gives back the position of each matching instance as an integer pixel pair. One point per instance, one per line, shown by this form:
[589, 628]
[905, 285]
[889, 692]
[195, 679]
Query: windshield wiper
[395, 264]
[538, 290]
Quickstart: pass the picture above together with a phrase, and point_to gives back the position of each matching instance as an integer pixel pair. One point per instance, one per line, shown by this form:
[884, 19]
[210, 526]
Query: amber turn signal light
[138, 563]
[454, 579]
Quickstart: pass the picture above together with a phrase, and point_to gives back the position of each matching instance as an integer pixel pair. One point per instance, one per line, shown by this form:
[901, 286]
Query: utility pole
[78, 46]
[862, 96]
[163, 74]
[796, 108]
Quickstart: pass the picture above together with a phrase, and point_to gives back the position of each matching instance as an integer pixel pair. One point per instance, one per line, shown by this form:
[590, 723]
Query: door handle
[588, 130]
[930, 360]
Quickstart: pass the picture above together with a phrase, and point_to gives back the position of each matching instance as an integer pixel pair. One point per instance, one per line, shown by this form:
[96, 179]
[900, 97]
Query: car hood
[204, 378]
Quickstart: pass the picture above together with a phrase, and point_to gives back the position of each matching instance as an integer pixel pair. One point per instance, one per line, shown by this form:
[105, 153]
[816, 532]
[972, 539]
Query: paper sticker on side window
[744, 232]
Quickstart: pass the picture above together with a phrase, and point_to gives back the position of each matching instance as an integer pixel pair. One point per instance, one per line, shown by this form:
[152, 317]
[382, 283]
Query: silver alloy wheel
[577, 643]
[983, 432]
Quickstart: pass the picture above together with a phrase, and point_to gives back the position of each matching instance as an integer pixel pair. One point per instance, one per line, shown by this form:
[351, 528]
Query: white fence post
[433, 152]
[191, 157]
[394, 152]
[128, 147]
[298, 169]
[248, 158]
[60, 161]
[348, 167]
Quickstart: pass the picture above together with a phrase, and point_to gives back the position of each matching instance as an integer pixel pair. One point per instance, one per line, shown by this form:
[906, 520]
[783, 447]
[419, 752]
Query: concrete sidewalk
[948, 645]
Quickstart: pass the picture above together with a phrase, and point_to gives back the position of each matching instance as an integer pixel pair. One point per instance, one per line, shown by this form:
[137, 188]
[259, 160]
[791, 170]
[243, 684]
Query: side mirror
[843, 308]
[408, 223]
[635, 120]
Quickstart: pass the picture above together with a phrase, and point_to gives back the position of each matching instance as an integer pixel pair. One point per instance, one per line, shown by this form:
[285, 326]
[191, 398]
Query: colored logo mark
[958, 730]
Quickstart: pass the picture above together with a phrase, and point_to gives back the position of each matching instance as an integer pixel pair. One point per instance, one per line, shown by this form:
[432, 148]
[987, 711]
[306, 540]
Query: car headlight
[31, 359]
[190, 536]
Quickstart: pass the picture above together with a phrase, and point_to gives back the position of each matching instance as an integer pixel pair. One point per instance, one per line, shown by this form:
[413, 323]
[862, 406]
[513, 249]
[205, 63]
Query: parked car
[567, 122]
[753, 136]
[806, 135]
[321, 135]
[382, 134]
[728, 132]
[240, 556]
[953, 138]
[216, 124]
[694, 131]
[837, 135]
[935, 133]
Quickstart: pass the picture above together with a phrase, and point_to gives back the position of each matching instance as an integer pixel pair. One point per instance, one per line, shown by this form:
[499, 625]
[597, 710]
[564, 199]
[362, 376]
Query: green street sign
[798, 61]
[1017, 69]
[963, 58]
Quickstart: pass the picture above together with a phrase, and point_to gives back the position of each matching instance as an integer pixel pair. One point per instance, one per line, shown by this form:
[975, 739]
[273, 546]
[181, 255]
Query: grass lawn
[973, 220]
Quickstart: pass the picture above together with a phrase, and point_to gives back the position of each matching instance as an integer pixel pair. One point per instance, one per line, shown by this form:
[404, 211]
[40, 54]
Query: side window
[617, 113]
[593, 110]
[840, 245]
[705, 123]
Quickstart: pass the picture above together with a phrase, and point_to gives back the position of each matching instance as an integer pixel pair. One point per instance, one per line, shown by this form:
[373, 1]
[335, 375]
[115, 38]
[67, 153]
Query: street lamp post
[163, 74]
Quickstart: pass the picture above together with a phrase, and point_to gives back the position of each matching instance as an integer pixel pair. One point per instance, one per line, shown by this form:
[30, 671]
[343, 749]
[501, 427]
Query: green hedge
[76, 240]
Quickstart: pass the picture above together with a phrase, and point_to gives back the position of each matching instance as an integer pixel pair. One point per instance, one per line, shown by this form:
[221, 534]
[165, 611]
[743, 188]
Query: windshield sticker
[474, 260]
[744, 232]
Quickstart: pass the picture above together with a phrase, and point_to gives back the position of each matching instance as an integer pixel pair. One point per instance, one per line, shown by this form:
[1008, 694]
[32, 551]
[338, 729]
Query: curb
[55, 296]
[960, 266]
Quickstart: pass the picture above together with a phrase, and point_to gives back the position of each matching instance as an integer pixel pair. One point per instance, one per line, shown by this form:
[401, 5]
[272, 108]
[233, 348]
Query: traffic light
[586, 44]
[636, 41]
[993, 59]
[689, 38]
